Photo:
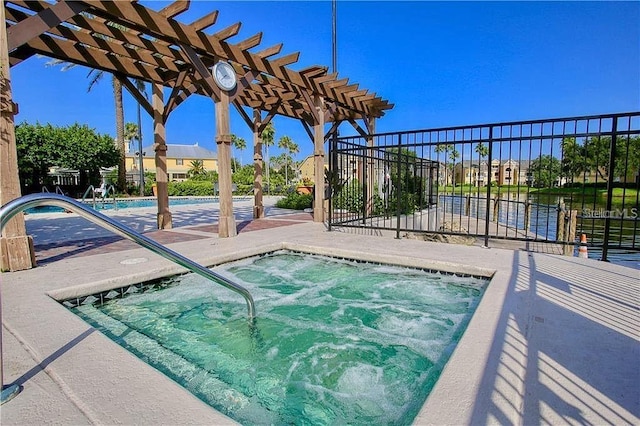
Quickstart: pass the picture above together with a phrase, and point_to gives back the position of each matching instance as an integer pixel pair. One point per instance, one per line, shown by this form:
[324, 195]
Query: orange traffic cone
[582, 250]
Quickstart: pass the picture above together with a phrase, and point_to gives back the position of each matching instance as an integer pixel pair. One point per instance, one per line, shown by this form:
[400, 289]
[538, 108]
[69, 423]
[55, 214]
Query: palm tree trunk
[122, 167]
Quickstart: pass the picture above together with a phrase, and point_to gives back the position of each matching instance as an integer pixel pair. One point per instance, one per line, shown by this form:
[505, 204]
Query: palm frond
[96, 76]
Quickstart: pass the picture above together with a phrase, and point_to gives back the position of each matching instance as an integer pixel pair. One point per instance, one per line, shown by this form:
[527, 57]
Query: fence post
[467, 209]
[571, 232]
[612, 168]
[560, 222]
[398, 187]
[333, 179]
[488, 183]
[365, 185]
[527, 215]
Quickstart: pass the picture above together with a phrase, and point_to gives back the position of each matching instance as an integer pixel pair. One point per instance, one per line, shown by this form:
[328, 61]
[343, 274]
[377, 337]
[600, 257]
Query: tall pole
[334, 34]
[258, 165]
[140, 157]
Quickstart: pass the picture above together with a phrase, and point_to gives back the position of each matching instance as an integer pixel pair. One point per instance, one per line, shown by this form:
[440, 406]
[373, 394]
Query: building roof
[195, 152]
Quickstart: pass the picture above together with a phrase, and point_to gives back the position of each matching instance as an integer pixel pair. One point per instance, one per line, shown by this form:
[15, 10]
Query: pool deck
[554, 340]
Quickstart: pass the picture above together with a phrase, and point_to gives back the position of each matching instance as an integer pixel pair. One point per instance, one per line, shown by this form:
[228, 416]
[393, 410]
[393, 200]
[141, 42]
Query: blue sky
[440, 63]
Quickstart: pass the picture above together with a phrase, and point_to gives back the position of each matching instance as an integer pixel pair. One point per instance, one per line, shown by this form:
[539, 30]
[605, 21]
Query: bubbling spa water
[335, 341]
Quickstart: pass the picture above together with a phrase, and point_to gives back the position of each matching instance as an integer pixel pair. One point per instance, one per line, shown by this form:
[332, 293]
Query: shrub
[350, 197]
[296, 201]
[191, 188]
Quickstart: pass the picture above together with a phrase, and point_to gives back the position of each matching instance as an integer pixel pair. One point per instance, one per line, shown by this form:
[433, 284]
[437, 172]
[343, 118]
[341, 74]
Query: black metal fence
[546, 181]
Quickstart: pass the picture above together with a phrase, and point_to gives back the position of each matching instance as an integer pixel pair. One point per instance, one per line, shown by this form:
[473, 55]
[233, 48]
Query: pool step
[200, 382]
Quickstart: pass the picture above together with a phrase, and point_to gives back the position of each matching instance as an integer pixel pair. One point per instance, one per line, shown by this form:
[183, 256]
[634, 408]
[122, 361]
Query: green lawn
[629, 194]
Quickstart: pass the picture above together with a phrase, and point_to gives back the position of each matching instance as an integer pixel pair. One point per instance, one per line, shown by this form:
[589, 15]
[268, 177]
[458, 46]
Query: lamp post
[140, 157]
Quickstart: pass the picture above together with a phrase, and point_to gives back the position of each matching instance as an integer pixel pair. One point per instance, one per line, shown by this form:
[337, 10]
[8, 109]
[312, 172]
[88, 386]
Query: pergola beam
[144, 103]
[175, 8]
[205, 22]
[35, 25]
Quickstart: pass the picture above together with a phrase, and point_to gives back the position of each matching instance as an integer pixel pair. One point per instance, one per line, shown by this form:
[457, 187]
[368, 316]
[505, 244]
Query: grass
[587, 191]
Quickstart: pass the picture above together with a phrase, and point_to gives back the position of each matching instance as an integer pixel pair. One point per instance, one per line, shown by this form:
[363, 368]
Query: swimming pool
[336, 341]
[120, 204]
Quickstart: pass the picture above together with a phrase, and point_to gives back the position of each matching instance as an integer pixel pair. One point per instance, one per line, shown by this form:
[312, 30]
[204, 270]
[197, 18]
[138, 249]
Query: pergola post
[258, 205]
[16, 246]
[160, 147]
[227, 222]
[318, 160]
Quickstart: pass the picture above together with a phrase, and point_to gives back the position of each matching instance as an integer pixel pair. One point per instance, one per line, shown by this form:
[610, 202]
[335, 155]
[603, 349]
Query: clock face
[224, 75]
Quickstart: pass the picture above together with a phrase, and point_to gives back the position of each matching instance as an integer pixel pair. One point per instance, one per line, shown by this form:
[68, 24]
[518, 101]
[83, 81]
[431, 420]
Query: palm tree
[443, 148]
[130, 133]
[453, 156]
[267, 137]
[240, 144]
[291, 148]
[95, 76]
[196, 170]
[482, 150]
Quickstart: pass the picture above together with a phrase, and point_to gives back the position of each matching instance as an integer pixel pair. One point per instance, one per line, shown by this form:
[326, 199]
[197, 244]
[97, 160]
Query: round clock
[224, 75]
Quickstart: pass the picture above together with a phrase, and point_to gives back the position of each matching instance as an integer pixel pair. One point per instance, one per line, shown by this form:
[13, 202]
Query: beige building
[306, 170]
[503, 173]
[179, 158]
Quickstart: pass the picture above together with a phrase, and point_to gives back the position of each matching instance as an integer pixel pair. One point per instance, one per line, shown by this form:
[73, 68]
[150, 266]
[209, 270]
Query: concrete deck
[554, 340]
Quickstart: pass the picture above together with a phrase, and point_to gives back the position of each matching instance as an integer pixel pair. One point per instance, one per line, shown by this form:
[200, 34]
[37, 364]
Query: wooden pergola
[134, 42]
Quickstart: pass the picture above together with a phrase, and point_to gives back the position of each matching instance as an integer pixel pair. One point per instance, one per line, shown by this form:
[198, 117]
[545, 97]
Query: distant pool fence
[547, 181]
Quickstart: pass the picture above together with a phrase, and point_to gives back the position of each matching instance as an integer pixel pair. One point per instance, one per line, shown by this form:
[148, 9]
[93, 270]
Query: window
[179, 161]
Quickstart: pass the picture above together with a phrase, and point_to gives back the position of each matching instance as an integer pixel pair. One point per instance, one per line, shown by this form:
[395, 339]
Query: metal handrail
[91, 189]
[112, 189]
[18, 205]
[34, 200]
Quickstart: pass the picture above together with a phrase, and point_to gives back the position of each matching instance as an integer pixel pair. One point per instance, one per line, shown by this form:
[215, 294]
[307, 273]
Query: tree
[546, 171]
[482, 150]
[453, 156]
[244, 175]
[36, 146]
[291, 148]
[75, 147]
[96, 76]
[130, 133]
[267, 137]
[407, 191]
[592, 156]
[240, 144]
[444, 148]
[197, 170]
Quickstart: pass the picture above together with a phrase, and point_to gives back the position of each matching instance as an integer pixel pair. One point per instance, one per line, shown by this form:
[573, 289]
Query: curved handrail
[93, 193]
[34, 200]
[112, 189]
